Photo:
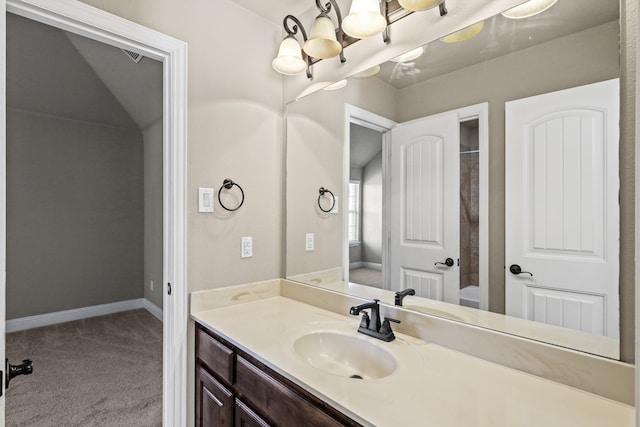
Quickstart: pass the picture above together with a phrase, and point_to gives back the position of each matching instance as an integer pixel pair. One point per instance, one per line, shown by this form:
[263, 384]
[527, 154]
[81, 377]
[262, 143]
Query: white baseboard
[47, 319]
[354, 265]
[372, 266]
[152, 308]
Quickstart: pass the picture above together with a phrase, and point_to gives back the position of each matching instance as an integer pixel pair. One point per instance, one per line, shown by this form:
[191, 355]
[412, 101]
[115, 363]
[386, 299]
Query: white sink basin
[345, 355]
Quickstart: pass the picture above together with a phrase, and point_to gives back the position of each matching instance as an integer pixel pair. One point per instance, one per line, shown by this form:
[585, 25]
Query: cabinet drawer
[217, 357]
[245, 417]
[279, 403]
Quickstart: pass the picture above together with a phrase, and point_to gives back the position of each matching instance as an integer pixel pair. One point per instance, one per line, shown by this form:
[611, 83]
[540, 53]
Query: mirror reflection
[479, 171]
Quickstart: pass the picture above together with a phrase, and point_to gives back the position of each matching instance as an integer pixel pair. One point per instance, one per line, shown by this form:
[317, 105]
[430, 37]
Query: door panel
[562, 213]
[425, 206]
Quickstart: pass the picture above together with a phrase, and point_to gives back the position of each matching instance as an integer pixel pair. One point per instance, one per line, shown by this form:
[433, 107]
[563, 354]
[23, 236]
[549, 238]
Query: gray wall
[153, 213]
[74, 214]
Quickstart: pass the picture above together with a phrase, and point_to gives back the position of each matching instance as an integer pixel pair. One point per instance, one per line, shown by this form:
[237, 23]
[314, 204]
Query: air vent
[135, 57]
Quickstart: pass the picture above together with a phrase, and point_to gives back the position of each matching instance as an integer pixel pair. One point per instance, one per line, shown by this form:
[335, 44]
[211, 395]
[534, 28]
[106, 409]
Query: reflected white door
[562, 213]
[424, 207]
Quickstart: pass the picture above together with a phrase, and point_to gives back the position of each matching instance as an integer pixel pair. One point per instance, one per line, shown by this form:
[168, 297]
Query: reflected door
[562, 210]
[424, 207]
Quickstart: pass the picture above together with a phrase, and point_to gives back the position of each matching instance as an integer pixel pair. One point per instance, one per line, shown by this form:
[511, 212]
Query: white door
[562, 208]
[424, 207]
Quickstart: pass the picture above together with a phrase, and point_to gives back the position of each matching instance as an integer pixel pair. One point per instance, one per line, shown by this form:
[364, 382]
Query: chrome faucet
[371, 325]
[401, 294]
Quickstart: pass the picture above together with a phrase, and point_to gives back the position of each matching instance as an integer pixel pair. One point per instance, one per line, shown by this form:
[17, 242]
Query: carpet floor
[102, 371]
[366, 276]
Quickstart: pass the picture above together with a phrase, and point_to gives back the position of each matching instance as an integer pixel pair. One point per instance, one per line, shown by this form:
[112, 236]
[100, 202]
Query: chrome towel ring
[228, 184]
[322, 192]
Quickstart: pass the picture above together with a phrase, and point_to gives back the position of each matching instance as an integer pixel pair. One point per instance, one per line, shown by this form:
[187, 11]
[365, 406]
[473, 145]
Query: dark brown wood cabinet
[234, 389]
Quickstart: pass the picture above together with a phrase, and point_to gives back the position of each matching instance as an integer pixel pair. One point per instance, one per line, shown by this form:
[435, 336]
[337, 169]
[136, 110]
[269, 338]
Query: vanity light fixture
[528, 9]
[419, 5]
[325, 41]
[365, 19]
[409, 56]
[464, 34]
[290, 59]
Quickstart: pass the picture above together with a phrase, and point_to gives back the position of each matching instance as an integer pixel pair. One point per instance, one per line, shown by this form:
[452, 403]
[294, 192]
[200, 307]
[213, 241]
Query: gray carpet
[103, 371]
[366, 276]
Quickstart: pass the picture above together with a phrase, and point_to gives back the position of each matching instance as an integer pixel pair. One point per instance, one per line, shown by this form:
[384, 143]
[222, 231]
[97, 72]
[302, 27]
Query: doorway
[81, 19]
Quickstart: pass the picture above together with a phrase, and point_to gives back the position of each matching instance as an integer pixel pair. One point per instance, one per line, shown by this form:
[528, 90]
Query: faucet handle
[390, 319]
[364, 322]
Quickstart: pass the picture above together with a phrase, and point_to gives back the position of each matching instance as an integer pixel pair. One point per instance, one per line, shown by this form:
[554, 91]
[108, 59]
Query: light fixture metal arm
[339, 33]
[292, 31]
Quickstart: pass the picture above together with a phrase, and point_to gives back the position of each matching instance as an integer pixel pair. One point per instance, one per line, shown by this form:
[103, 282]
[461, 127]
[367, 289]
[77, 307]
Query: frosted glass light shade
[464, 34]
[528, 9]
[364, 19]
[409, 56]
[289, 60]
[337, 85]
[322, 41]
[418, 5]
[369, 72]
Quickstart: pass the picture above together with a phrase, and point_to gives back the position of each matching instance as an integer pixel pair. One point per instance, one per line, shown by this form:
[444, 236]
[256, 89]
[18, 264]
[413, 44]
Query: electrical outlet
[310, 242]
[151, 284]
[246, 247]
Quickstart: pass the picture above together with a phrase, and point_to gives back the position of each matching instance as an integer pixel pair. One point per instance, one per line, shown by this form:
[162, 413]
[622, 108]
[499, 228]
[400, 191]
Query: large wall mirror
[475, 178]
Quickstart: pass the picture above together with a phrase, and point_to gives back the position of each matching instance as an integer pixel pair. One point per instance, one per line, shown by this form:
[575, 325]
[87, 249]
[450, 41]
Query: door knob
[25, 368]
[516, 269]
[448, 262]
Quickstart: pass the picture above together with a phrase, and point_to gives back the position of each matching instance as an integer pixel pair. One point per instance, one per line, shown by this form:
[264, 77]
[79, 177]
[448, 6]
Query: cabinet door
[245, 417]
[214, 403]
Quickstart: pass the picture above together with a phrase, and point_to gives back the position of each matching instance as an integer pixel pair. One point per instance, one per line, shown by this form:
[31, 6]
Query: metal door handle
[448, 262]
[516, 269]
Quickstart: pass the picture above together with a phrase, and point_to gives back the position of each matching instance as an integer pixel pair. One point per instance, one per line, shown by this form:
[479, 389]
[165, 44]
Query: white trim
[354, 265]
[383, 125]
[96, 24]
[372, 266]
[48, 319]
[153, 309]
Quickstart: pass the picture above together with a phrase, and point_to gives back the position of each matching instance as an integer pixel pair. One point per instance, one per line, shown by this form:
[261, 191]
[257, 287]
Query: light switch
[335, 206]
[205, 199]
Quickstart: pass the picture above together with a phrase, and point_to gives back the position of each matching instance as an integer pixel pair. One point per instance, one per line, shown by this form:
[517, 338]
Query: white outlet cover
[309, 242]
[246, 247]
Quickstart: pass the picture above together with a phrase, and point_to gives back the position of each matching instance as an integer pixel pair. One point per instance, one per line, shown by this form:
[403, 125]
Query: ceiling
[50, 71]
[564, 18]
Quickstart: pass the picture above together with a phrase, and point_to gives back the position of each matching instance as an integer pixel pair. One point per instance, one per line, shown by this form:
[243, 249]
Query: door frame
[96, 24]
[362, 117]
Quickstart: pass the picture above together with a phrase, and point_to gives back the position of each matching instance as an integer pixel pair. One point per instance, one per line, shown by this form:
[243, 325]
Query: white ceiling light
[528, 9]
[464, 34]
[364, 19]
[418, 5]
[409, 56]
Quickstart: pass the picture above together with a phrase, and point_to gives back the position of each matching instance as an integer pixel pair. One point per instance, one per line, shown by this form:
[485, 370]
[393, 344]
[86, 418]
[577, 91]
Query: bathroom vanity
[265, 356]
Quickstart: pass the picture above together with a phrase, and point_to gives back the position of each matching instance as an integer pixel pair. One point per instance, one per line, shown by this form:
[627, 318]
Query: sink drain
[357, 377]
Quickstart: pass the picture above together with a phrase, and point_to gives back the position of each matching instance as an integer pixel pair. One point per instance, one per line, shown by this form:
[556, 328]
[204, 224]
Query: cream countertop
[442, 388]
